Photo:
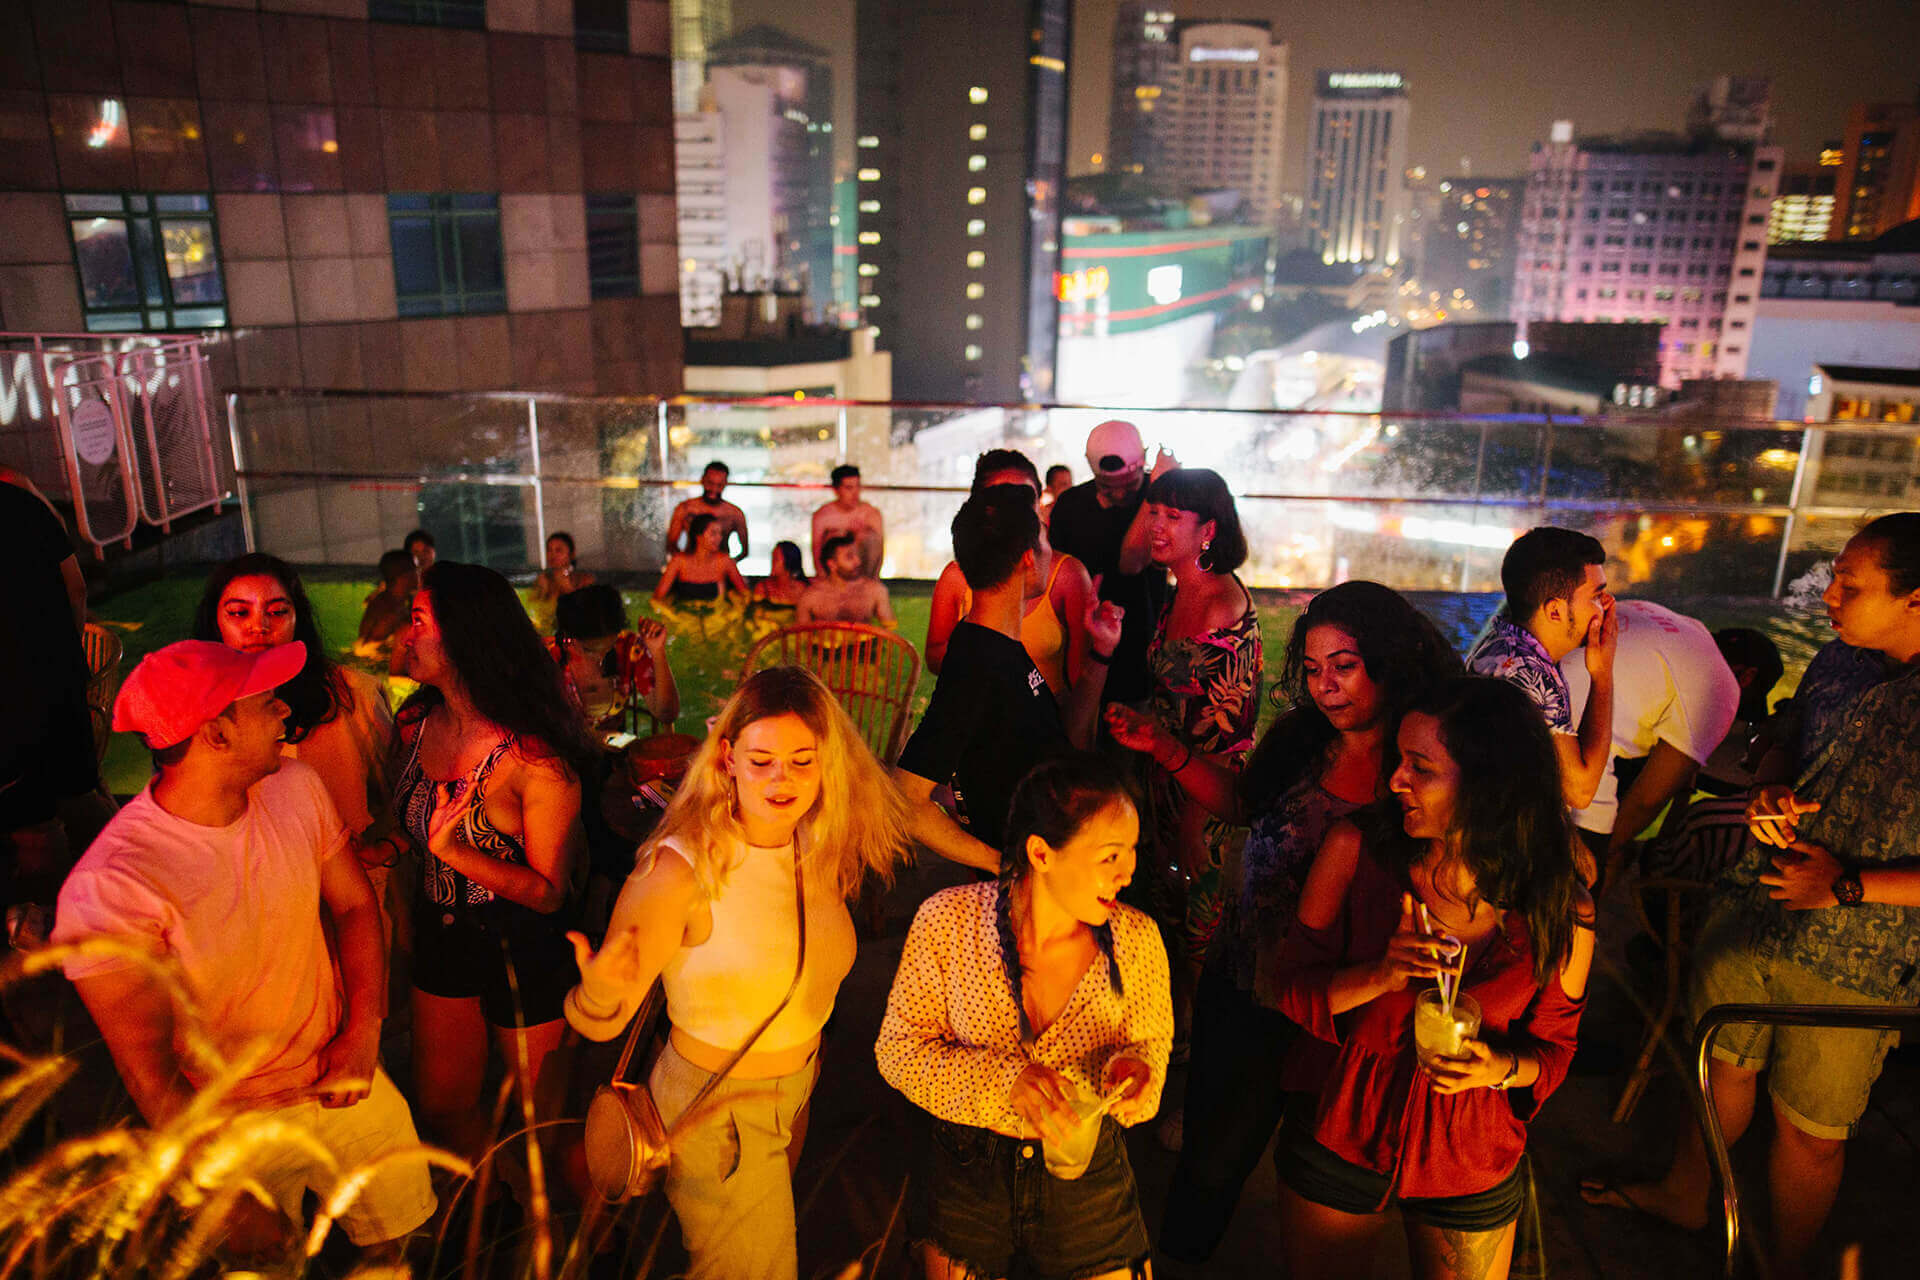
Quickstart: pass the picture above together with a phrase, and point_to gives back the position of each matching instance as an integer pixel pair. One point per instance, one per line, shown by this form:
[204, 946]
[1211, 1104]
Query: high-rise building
[1356, 192]
[802, 79]
[696, 26]
[1803, 207]
[1879, 183]
[961, 163]
[1225, 111]
[299, 196]
[1144, 53]
[1654, 228]
[1471, 244]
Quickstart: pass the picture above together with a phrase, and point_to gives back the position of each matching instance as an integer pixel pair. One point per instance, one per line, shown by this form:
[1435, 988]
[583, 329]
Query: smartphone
[620, 741]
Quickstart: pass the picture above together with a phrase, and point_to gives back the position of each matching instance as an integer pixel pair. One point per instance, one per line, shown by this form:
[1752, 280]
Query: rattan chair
[104, 650]
[872, 671]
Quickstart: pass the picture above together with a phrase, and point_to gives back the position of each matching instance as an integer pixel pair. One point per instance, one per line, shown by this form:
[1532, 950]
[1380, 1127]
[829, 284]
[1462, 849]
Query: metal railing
[117, 427]
[1417, 501]
[1836, 1016]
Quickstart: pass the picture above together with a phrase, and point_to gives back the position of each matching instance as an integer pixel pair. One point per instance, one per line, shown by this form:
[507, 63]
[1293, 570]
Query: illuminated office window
[976, 259]
[977, 132]
[976, 163]
[976, 226]
[869, 299]
[975, 322]
[976, 195]
[973, 351]
[976, 290]
[869, 269]
[867, 141]
[869, 237]
[868, 175]
[869, 206]
[976, 95]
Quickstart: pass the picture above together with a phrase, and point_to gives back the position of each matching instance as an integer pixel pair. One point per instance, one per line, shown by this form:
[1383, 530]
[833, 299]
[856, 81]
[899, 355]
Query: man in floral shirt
[1557, 600]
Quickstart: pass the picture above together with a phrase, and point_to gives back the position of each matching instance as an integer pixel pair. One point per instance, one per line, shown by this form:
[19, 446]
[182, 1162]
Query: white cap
[1114, 446]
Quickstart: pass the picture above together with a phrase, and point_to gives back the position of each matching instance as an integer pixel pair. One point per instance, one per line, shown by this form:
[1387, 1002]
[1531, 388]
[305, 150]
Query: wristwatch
[1848, 891]
[1513, 1073]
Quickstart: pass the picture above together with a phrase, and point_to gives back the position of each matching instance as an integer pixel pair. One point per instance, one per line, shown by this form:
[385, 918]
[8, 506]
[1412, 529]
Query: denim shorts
[1820, 1077]
[987, 1200]
[1314, 1173]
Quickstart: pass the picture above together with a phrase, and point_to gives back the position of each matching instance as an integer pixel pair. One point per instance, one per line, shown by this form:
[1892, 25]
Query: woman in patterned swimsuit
[489, 791]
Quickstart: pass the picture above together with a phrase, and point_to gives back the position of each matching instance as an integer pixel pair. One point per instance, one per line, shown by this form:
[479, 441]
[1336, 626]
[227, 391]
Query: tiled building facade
[347, 193]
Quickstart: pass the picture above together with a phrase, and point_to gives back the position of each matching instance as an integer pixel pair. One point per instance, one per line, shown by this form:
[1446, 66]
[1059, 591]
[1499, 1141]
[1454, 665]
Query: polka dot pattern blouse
[951, 1038]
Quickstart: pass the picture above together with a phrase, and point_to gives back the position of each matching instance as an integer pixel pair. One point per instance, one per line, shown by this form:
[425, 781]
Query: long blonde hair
[857, 826]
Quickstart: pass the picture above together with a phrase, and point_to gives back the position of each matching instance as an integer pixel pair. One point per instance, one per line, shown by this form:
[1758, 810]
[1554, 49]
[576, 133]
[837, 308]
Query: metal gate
[132, 425]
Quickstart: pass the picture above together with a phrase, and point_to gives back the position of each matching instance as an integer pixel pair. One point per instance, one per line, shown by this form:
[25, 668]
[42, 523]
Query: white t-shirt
[1670, 685]
[238, 907]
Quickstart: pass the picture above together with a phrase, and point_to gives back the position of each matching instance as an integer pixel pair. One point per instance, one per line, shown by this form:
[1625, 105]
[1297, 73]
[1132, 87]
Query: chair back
[103, 649]
[872, 671]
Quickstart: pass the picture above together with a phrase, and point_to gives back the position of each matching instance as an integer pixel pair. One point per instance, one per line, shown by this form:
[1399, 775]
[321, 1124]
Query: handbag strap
[656, 998]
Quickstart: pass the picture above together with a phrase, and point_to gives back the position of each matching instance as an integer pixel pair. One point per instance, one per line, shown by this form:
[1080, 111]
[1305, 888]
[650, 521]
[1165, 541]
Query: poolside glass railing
[1414, 501]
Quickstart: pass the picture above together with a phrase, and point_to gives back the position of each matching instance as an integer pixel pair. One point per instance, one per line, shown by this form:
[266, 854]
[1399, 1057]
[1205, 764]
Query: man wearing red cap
[223, 866]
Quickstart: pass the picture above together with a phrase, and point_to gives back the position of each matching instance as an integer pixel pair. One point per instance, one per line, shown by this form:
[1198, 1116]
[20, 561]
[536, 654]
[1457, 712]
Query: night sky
[1488, 77]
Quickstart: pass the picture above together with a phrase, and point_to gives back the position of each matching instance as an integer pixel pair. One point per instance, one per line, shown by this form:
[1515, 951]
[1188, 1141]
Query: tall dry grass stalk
[152, 1202]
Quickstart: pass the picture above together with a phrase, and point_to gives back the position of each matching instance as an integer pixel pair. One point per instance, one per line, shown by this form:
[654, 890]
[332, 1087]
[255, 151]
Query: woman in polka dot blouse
[1013, 1002]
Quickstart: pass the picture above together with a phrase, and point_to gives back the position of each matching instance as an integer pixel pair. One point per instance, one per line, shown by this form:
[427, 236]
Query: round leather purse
[628, 1146]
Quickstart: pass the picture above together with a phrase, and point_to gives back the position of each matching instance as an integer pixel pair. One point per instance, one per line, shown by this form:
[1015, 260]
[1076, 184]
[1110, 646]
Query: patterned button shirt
[1508, 651]
[1867, 780]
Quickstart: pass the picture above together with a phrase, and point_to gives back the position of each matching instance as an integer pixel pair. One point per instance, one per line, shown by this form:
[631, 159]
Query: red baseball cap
[173, 691]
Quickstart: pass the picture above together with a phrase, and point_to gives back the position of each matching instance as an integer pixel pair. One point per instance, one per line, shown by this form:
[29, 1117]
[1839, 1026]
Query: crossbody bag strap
[655, 999]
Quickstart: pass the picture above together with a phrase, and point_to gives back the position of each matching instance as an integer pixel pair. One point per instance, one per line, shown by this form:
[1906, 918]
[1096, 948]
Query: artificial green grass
[707, 666]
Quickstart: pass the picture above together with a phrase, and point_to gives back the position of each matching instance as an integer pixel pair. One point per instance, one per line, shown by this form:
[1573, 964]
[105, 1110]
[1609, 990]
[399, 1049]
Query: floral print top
[1206, 687]
[1206, 692]
[1507, 651]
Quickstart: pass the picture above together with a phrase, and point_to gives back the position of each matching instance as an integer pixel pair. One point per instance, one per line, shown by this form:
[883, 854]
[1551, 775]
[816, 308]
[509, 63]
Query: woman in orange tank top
[1053, 628]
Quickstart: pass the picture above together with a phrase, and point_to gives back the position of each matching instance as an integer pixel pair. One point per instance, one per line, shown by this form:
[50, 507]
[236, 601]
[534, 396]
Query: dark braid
[1010, 949]
[1052, 802]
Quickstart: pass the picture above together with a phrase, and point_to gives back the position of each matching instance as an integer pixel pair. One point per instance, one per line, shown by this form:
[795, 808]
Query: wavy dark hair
[696, 526]
[1204, 493]
[788, 553]
[1510, 826]
[317, 694]
[1053, 801]
[1403, 652]
[502, 663]
[590, 613]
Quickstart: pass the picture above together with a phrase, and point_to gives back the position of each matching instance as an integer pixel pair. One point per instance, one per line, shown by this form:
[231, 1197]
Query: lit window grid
[145, 224]
[450, 215]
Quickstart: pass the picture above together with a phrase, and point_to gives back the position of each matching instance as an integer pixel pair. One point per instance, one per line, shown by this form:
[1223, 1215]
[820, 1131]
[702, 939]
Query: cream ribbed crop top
[719, 991]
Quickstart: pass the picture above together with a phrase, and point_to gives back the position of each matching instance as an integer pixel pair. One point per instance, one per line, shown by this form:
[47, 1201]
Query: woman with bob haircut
[340, 723]
[1471, 873]
[1204, 670]
[710, 911]
[1011, 999]
[489, 790]
[1359, 655]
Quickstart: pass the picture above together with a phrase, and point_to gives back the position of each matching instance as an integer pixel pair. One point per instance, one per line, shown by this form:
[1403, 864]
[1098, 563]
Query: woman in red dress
[1475, 861]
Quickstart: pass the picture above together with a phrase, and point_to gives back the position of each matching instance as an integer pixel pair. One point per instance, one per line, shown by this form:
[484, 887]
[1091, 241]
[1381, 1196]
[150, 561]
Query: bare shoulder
[539, 768]
[1340, 848]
